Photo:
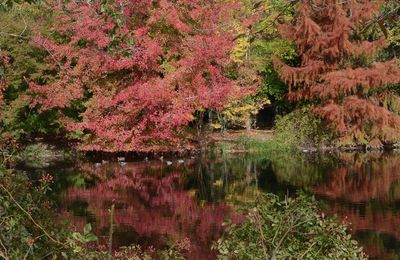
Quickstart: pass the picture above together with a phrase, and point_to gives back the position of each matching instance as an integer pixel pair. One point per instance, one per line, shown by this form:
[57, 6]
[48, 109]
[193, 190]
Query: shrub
[302, 128]
[289, 229]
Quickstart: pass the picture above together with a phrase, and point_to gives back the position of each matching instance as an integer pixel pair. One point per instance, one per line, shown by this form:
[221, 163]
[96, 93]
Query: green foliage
[258, 146]
[284, 160]
[255, 48]
[26, 63]
[6, 5]
[390, 13]
[269, 45]
[273, 87]
[20, 233]
[289, 229]
[132, 253]
[27, 228]
[19, 119]
[302, 128]
[41, 155]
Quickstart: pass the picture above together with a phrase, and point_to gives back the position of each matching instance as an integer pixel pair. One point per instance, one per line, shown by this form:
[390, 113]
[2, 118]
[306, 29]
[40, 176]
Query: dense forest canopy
[133, 75]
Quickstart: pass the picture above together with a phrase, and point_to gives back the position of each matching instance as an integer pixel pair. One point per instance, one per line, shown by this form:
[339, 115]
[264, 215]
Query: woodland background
[142, 75]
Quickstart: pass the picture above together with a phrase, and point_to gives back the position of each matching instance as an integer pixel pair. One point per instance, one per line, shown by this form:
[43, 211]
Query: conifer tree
[339, 73]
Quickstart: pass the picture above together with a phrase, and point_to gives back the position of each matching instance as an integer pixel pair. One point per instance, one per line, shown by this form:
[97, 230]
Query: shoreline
[229, 142]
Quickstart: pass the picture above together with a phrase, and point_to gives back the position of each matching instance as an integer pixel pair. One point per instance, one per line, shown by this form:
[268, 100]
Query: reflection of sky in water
[155, 202]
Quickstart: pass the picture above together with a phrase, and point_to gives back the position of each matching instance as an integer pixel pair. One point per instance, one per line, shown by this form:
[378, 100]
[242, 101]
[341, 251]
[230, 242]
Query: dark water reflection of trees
[361, 188]
[156, 203]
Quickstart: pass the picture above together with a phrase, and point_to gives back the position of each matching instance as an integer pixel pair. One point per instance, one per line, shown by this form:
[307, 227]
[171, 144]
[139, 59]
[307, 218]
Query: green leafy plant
[302, 128]
[287, 229]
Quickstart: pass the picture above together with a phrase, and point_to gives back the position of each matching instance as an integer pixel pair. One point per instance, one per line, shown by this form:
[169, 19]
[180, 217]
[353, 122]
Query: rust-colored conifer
[339, 72]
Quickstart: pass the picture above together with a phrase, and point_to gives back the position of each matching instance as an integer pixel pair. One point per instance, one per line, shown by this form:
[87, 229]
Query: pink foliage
[4, 62]
[146, 69]
[154, 207]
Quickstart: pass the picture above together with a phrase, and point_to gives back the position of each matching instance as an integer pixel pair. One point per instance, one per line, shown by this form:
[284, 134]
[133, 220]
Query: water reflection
[362, 189]
[363, 177]
[157, 203]
[152, 208]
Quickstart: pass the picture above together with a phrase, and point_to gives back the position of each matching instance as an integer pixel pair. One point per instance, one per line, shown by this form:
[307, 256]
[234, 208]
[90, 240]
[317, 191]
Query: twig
[280, 242]
[30, 217]
[110, 239]
[308, 250]
[5, 253]
[263, 240]
[30, 247]
[290, 228]
[27, 252]
[26, 27]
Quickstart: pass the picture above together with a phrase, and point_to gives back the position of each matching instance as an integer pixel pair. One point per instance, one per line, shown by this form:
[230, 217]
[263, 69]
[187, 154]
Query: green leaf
[90, 238]
[87, 229]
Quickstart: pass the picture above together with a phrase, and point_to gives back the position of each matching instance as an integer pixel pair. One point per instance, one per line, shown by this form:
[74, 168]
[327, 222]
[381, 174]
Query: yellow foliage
[238, 53]
[167, 67]
[216, 125]
[239, 112]
[394, 35]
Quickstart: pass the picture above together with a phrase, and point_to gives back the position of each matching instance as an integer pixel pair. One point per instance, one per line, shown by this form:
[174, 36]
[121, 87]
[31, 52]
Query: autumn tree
[339, 73]
[136, 71]
[20, 62]
[255, 45]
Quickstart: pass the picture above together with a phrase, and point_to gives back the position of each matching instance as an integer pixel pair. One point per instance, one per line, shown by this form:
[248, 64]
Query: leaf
[90, 238]
[87, 229]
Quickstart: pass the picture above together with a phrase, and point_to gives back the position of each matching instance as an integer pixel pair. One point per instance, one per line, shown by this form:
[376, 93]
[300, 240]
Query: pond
[187, 200]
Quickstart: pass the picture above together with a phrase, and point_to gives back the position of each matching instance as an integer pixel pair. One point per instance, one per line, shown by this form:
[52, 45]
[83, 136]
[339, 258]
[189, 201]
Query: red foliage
[351, 95]
[364, 192]
[362, 179]
[154, 208]
[147, 66]
[4, 61]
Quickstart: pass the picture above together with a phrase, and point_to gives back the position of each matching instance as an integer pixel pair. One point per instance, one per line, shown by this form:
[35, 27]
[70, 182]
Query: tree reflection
[361, 188]
[150, 208]
[156, 203]
[363, 177]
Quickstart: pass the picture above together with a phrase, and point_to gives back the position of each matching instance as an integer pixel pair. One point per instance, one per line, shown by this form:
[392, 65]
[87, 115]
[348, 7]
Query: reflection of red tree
[375, 250]
[155, 207]
[362, 179]
[379, 221]
[365, 178]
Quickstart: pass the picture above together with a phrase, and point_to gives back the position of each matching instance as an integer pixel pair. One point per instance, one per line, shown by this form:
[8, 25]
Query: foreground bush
[28, 224]
[289, 229]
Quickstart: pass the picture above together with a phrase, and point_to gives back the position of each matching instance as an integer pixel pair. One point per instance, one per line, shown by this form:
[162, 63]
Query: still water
[188, 201]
